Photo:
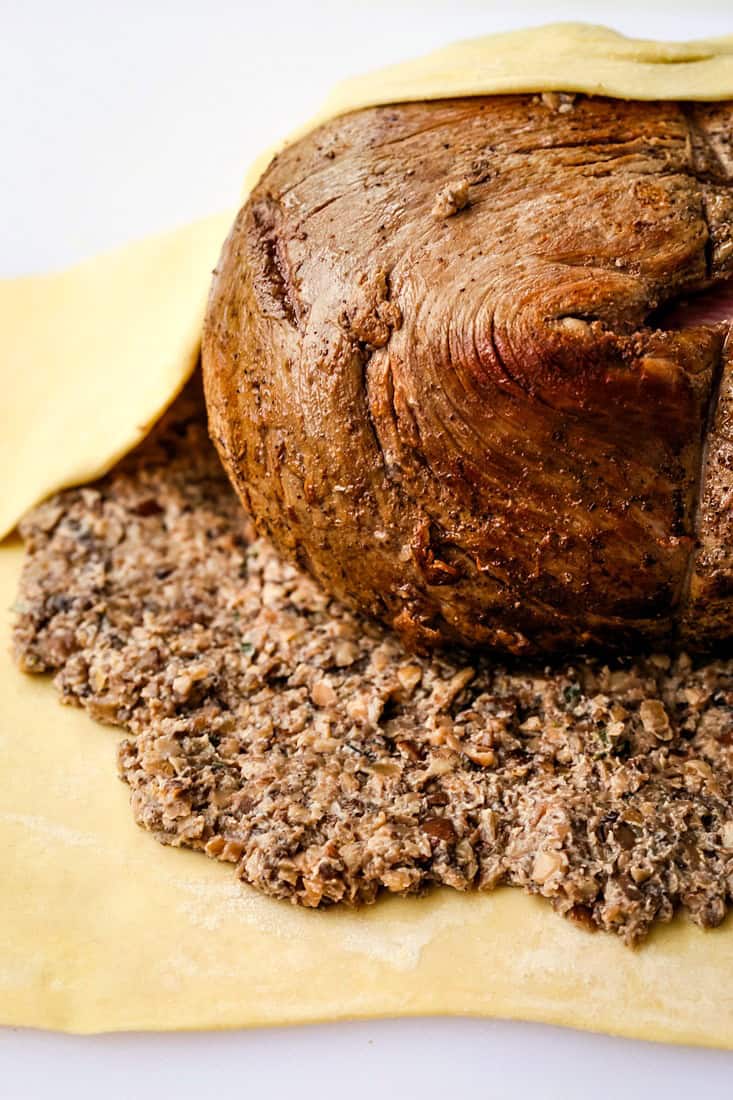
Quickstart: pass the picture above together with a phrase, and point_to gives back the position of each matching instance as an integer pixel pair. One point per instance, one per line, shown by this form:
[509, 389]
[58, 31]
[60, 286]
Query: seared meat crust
[437, 375]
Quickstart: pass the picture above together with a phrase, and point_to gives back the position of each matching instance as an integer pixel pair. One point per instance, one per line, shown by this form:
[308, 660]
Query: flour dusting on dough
[52, 830]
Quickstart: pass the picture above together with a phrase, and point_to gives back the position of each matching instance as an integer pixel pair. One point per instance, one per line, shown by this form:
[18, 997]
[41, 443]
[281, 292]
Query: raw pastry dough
[93, 355]
[565, 57]
[101, 928]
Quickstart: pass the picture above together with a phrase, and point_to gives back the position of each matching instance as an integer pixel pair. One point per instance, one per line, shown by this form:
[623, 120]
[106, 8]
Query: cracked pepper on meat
[270, 727]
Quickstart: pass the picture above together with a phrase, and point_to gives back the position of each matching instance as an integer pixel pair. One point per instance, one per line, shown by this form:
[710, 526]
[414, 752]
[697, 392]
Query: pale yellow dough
[92, 356]
[103, 929]
[567, 57]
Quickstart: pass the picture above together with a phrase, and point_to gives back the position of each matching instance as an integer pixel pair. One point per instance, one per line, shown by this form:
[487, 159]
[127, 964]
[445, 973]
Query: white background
[119, 119]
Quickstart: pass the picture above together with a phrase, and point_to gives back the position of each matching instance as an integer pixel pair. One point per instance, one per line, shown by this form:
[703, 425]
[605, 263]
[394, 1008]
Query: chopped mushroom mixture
[274, 729]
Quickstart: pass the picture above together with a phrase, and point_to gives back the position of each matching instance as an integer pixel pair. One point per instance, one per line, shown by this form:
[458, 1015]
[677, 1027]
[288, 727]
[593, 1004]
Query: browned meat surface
[446, 373]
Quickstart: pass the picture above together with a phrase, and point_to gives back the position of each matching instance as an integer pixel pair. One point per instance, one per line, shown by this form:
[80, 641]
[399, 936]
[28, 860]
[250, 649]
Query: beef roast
[455, 368]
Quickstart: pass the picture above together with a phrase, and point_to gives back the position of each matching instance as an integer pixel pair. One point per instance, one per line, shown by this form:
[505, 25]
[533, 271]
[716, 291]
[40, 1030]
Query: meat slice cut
[708, 612]
[713, 306]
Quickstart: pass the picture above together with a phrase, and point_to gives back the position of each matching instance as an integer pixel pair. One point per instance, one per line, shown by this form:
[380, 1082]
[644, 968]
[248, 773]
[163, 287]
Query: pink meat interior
[709, 307]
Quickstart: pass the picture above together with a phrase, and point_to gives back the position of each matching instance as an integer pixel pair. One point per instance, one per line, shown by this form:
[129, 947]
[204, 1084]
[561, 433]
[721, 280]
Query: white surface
[390, 1060]
[119, 119]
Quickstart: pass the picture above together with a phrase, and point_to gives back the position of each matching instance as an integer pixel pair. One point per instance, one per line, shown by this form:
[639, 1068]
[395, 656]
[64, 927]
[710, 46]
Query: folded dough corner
[94, 354]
